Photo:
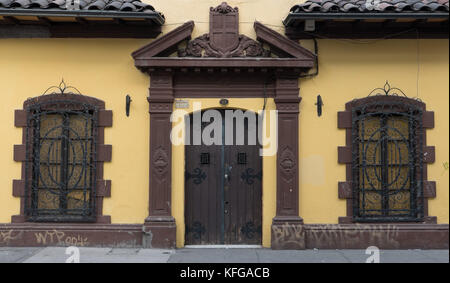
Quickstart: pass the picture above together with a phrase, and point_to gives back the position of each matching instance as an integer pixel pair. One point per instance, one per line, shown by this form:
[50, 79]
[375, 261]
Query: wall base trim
[383, 236]
[288, 233]
[161, 234]
[284, 235]
[82, 235]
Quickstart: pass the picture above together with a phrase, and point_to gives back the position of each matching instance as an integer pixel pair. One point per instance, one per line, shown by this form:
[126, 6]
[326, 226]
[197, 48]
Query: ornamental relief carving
[201, 47]
[288, 164]
[224, 40]
[160, 162]
[224, 8]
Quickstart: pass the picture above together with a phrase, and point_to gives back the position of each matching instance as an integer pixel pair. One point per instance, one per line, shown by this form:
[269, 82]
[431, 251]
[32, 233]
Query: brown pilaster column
[159, 227]
[287, 227]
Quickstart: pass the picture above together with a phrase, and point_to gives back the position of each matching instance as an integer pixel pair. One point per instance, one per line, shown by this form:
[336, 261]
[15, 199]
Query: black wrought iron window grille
[61, 162]
[387, 162]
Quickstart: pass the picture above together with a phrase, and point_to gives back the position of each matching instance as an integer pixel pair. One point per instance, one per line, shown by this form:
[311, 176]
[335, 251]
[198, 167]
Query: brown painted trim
[345, 190]
[105, 118]
[104, 152]
[360, 29]
[383, 236]
[19, 188]
[345, 153]
[92, 29]
[278, 42]
[20, 118]
[159, 226]
[20, 153]
[81, 235]
[156, 54]
[287, 227]
[429, 154]
[320, 236]
[429, 189]
[428, 120]
[252, 76]
[104, 188]
[166, 44]
[174, 62]
[344, 120]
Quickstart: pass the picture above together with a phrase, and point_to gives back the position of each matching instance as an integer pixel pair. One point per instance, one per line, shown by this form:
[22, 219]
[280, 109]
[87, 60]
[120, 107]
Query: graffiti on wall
[287, 235]
[8, 236]
[364, 233]
[56, 237]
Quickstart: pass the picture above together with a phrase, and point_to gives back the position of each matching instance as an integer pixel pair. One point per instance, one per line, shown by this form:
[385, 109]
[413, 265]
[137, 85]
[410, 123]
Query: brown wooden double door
[223, 189]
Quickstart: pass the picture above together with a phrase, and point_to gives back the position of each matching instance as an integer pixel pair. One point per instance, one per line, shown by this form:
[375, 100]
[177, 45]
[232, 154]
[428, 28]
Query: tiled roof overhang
[369, 19]
[79, 18]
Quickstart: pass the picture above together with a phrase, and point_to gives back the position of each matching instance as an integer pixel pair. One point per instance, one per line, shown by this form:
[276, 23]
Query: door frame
[249, 71]
[180, 211]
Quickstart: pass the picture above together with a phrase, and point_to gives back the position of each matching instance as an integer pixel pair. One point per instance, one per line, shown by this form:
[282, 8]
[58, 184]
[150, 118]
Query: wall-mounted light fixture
[128, 104]
[319, 105]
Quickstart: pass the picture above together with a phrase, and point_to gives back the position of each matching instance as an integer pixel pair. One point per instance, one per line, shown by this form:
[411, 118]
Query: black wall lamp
[319, 105]
[128, 104]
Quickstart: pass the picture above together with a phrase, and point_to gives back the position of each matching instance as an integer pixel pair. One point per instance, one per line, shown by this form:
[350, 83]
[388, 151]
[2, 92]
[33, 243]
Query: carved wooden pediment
[270, 50]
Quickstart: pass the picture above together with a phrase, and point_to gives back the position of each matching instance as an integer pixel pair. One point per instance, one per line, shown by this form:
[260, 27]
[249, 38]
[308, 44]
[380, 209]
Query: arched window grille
[61, 160]
[387, 166]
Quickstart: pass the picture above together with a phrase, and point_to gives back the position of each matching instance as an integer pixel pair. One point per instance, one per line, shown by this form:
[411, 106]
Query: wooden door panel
[203, 205]
[243, 196]
[223, 197]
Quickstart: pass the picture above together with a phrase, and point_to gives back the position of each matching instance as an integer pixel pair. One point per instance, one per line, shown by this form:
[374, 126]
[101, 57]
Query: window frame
[24, 153]
[346, 155]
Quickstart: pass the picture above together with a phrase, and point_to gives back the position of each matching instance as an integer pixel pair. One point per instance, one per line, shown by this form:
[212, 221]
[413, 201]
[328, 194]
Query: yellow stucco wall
[105, 69]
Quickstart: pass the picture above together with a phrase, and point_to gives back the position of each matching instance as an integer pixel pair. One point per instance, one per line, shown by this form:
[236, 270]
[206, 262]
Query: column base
[159, 233]
[288, 233]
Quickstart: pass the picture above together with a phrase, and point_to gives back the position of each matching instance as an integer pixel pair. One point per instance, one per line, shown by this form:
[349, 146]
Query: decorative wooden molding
[345, 190]
[22, 234]
[105, 118]
[429, 189]
[253, 74]
[89, 29]
[104, 152]
[221, 46]
[20, 153]
[429, 154]
[345, 155]
[361, 29]
[281, 45]
[166, 44]
[393, 236]
[428, 119]
[287, 220]
[345, 121]
[202, 47]
[20, 118]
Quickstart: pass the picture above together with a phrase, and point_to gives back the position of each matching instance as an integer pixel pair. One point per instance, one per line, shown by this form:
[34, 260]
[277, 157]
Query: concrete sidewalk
[108, 255]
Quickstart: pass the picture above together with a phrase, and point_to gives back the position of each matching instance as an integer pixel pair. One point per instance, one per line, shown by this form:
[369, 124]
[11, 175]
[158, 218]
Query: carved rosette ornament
[160, 162]
[288, 164]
